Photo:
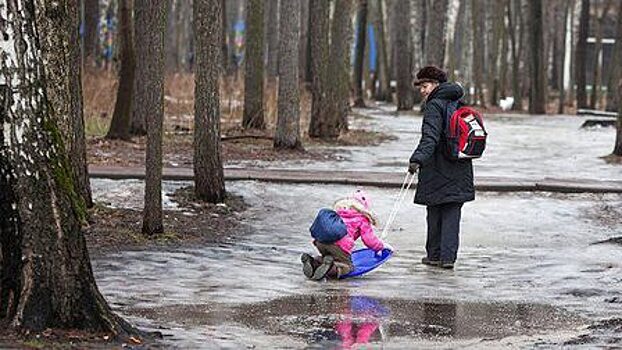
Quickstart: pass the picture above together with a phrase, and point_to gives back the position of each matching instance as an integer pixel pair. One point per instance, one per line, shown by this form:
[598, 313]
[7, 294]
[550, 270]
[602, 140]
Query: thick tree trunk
[384, 91]
[405, 94]
[152, 14]
[47, 279]
[321, 124]
[254, 71]
[208, 168]
[598, 46]
[359, 53]
[272, 38]
[434, 44]
[613, 100]
[477, 9]
[339, 68]
[91, 19]
[61, 50]
[537, 92]
[581, 54]
[287, 134]
[121, 118]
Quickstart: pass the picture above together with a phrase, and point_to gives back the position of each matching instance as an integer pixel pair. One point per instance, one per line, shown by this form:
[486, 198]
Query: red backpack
[466, 135]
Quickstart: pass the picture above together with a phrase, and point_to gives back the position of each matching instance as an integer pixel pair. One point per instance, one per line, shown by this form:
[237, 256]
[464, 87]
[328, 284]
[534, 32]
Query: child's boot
[321, 271]
[309, 264]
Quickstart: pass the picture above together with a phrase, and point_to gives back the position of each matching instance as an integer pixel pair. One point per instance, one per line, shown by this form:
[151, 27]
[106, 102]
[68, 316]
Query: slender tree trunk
[91, 19]
[562, 57]
[617, 150]
[613, 101]
[143, 33]
[537, 92]
[359, 53]
[61, 50]
[121, 118]
[224, 39]
[321, 124]
[46, 275]
[477, 9]
[339, 68]
[272, 36]
[434, 44]
[581, 54]
[304, 41]
[254, 75]
[496, 37]
[597, 67]
[208, 168]
[287, 134]
[514, 42]
[152, 14]
[503, 84]
[405, 95]
[384, 91]
[308, 52]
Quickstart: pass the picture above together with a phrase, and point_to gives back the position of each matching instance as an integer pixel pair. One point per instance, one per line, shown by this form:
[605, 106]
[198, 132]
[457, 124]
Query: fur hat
[430, 74]
[360, 202]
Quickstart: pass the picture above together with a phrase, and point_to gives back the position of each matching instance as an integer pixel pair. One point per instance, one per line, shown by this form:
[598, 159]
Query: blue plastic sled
[365, 260]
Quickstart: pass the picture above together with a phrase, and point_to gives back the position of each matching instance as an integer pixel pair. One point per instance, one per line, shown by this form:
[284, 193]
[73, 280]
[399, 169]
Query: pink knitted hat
[363, 198]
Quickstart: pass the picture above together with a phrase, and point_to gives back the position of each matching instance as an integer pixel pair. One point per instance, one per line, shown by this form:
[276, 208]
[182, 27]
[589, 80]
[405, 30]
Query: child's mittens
[386, 246]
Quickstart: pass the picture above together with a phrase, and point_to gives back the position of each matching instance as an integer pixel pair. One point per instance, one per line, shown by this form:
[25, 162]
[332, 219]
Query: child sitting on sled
[335, 231]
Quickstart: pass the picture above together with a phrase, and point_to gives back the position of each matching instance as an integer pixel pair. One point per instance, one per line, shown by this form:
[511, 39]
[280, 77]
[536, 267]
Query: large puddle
[526, 260]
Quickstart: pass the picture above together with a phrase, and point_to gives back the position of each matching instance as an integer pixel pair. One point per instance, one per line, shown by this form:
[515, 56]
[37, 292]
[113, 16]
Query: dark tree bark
[613, 101]
[537, 92]
[272, 38]
[581, 54]
[598, 46]
[224, 39]
[321, 124]
[402, 56]
[339, 67]
[121, 118]
[359, 53]
[308, 52]
[434, 44]
[46, 275]
[617, 150]
[91, 18]
[143, 37]
[479, 43]
[254, 72]
[304, 41]
[493, 84]
[152, 14]
[208, 168]
[287, 134]
[61, 50]
[384, 91]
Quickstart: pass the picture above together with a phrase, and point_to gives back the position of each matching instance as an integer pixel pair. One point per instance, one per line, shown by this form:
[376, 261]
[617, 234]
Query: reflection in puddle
[341, 320]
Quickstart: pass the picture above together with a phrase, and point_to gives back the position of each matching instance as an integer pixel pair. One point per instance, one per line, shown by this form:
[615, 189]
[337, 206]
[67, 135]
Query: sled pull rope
[406, 184]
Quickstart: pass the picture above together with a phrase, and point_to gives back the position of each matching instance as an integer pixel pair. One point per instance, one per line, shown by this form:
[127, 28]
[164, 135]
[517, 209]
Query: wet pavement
[528, 276]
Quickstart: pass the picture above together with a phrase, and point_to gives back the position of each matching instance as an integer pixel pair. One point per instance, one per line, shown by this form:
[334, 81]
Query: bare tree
[479, 44]
[209, 181]
[121, 118]
[617, 150]
[46, 276]
[402, 55]
[359, 53]
[91, 19]
[287, 133]
[61, 50]
[384, 91]
[434, 44]
[304, 41]
[339, 67]
[321, 124]
[537, 92]
[272, 37]
[581, 54]
[493, 84]
[142, 79]
[613, 102]
[597, 67]
[513, 8]
[254, 73]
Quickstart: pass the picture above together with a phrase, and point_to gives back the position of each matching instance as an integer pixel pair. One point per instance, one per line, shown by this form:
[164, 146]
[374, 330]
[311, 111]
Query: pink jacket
[358, 225]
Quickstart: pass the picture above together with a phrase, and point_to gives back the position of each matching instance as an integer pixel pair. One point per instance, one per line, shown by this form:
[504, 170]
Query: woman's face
[426, 88]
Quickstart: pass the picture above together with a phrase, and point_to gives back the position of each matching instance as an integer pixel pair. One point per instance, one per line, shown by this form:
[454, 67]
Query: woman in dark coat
[444, 184]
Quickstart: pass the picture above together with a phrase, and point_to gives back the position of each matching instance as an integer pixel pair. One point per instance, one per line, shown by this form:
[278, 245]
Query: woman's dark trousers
[443, 232]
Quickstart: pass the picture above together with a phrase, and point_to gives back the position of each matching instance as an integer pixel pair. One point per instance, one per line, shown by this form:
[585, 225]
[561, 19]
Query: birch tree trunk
[287, 134]
[209, 182]
[121, 118]
[254, 72]
[47, 279]
[61, 50]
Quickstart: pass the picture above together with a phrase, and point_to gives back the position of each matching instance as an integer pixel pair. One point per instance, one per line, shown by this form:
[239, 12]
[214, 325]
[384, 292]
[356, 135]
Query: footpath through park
[367, 178]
